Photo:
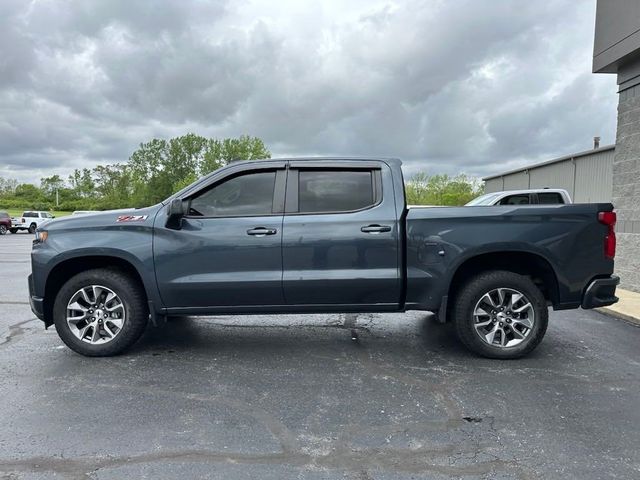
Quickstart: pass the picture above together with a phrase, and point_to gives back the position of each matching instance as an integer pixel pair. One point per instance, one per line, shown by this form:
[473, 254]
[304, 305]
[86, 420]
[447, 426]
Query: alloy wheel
[503, 317]
[95, 314]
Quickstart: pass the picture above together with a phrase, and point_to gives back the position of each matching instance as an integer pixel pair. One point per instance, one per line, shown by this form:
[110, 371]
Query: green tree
[154, 171]
[113, 185]
[8, 186]
[423, 189]
[82, 183]
[50, 185]
[159, 168]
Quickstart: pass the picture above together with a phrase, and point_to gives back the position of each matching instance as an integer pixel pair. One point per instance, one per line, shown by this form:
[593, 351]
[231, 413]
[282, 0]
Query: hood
[124, 216]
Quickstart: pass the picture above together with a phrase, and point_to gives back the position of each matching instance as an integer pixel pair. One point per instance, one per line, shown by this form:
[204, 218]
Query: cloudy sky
[473, 86]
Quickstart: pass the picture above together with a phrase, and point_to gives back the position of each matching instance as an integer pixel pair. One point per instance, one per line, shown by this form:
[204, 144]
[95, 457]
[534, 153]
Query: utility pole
[57, 199]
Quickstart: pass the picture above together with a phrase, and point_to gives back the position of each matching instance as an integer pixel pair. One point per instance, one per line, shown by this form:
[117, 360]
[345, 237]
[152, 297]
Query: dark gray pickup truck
[320, 235]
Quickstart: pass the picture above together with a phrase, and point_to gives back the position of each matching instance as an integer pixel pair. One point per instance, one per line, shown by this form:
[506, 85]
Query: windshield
[486, 199]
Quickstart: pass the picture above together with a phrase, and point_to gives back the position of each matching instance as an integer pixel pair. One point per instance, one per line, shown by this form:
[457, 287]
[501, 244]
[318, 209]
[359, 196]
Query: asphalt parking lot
[276, 397]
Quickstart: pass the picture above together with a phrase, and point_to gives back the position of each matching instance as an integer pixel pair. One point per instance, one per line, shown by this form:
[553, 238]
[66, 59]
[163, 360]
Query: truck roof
[394, 160]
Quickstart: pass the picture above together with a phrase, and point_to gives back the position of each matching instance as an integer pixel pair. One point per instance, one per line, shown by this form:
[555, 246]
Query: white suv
[29, 221]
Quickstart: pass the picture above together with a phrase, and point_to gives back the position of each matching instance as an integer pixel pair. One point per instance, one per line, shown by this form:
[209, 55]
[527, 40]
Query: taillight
[609, 219]
[23, 220]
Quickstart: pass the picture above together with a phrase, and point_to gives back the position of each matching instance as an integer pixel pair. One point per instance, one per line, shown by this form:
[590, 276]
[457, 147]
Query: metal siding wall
[556, 175]
[516, 181]
[594, 178]
[493, 185]
[591, 180]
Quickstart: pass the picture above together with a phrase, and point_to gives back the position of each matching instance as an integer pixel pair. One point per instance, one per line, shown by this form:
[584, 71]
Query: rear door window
[550, 198]
[329, 191]
[521, 199]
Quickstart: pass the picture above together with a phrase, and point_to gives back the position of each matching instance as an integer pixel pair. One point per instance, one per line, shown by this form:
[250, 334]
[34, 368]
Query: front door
[228, 251]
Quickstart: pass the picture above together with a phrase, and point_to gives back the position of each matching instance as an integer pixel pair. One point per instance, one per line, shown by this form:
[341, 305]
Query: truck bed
[566, 239]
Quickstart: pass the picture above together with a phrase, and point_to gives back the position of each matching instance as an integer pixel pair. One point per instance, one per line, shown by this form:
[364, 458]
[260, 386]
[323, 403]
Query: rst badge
[132, 218]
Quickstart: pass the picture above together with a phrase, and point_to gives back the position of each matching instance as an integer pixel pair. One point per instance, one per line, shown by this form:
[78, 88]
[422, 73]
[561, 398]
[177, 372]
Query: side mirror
[175, 212]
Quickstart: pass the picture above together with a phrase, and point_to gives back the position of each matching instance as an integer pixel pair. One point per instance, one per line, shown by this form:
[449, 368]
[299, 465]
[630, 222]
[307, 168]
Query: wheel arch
[69, 267]
[530, 264]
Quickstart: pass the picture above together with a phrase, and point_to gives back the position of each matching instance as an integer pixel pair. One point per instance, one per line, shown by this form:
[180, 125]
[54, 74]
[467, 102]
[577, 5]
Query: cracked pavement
[292, 396]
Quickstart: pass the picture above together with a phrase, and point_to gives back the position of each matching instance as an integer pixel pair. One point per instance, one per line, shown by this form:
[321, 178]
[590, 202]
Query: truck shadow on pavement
[292, 333]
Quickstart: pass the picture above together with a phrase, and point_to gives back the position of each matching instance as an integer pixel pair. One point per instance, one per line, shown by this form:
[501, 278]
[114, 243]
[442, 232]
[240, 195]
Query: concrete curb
[610, 312]
[628, 308]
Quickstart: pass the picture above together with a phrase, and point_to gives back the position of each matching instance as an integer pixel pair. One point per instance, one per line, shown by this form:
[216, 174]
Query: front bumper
[601, 292]
[37, 303]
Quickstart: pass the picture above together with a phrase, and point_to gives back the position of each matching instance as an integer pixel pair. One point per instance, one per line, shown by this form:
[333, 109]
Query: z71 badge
[132, 218]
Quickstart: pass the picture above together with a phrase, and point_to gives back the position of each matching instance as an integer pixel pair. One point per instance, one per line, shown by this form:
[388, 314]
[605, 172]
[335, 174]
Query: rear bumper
[601, 292]
[37, 303]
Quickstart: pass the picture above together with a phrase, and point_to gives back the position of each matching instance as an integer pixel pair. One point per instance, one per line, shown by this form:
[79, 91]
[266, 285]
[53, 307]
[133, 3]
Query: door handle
[374, 229]
[261, 231]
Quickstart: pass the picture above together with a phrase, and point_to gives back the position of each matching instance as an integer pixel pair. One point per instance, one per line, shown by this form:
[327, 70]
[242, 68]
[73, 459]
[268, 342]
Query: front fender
[105, 245]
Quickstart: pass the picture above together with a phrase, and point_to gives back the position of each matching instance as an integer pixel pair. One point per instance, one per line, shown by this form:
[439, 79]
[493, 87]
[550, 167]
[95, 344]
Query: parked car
[5, 223]
[540, 196]
[317, 236]
[30, 220]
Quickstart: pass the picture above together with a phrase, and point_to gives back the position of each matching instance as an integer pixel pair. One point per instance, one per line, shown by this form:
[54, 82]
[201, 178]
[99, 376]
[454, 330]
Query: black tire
[13, 230]
[3, 229]
[133, 298]
[32, 228]
[471, 293]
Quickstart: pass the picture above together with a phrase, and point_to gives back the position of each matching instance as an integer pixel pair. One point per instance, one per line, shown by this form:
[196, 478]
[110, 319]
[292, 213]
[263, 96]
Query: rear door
[340, 235]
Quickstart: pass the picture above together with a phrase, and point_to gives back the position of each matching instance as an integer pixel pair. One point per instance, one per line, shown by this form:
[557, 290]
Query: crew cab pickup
[29, 221]
[320, 235]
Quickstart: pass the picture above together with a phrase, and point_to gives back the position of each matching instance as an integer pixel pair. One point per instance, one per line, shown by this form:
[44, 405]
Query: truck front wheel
[500, 314]
[100, 312]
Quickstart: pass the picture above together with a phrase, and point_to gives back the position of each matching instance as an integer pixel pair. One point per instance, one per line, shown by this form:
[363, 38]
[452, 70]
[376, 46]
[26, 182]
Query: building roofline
[550, 162]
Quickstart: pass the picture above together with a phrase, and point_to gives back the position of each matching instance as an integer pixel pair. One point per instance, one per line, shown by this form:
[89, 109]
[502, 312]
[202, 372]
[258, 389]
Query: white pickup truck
[30, 220]
[539, 196]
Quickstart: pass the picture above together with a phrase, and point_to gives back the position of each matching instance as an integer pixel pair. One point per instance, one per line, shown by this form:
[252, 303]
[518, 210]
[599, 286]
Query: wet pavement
[292, 396]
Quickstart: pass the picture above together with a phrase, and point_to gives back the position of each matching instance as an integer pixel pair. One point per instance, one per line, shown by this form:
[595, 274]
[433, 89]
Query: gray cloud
[467, 85]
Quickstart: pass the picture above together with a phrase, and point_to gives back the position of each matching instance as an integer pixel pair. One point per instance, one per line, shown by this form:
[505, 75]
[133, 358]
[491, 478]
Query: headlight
[41, 236]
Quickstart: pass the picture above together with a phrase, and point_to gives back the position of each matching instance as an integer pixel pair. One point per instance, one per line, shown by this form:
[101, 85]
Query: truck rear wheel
[500, 314]
[100, 312]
